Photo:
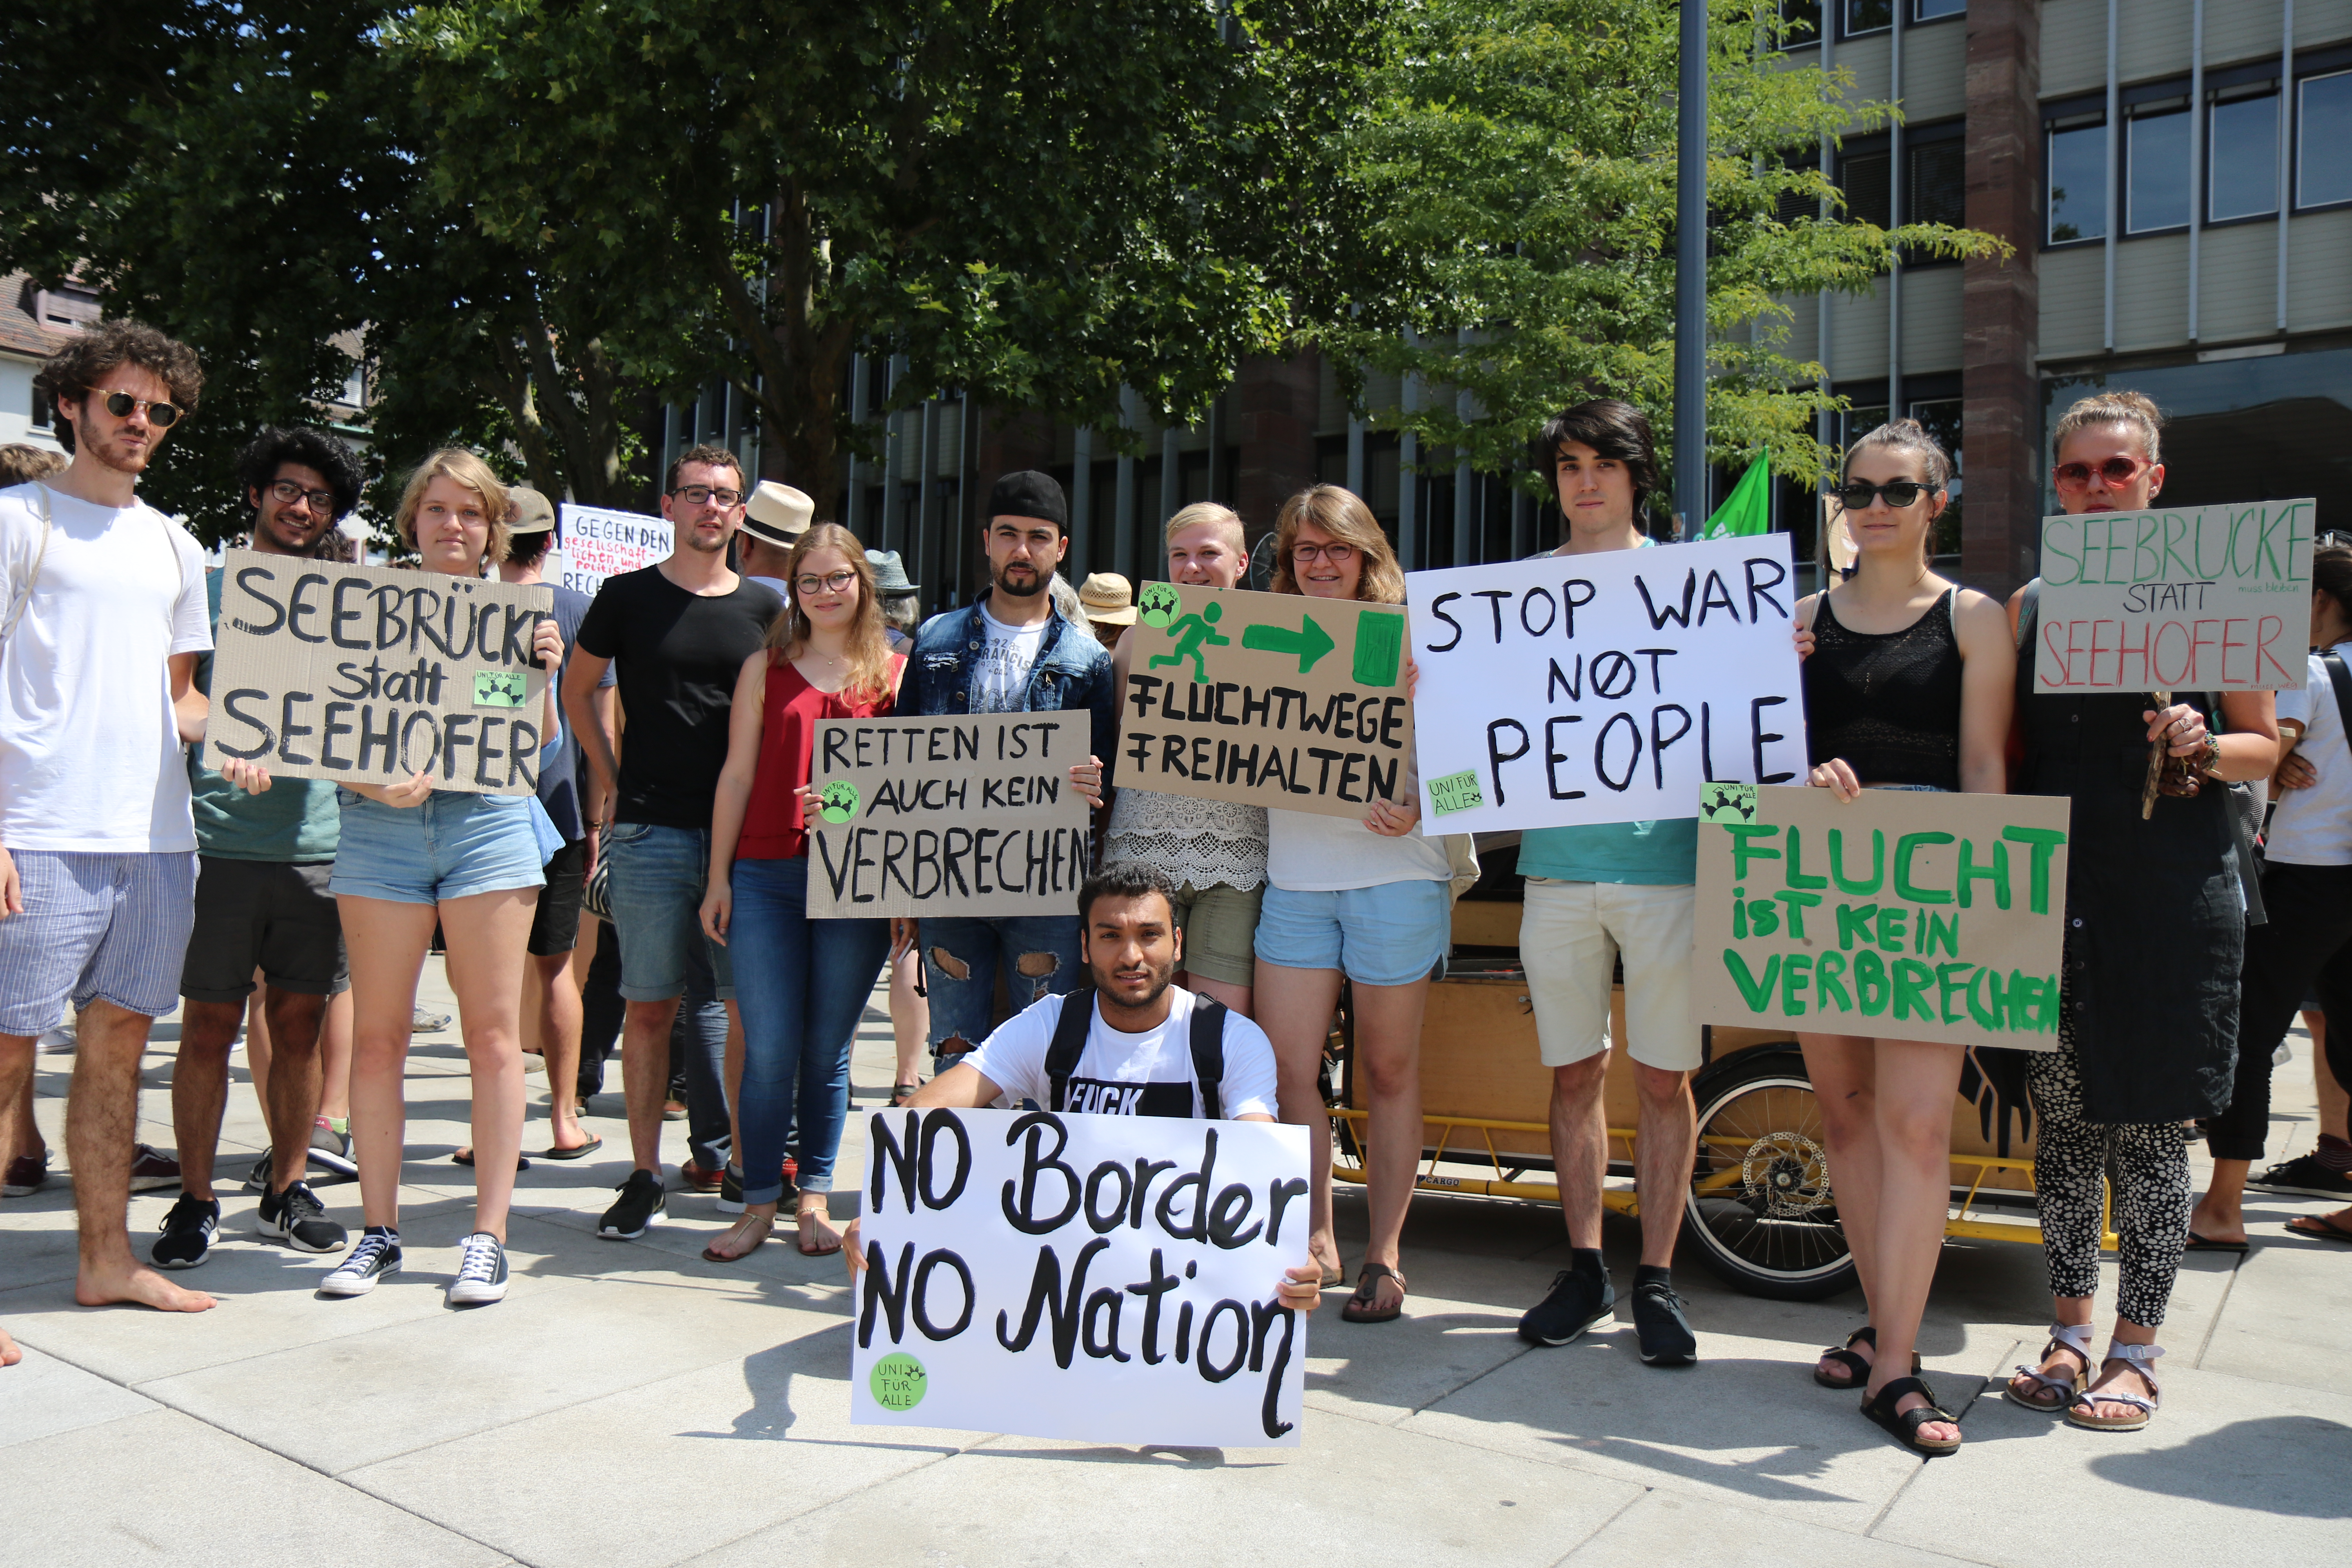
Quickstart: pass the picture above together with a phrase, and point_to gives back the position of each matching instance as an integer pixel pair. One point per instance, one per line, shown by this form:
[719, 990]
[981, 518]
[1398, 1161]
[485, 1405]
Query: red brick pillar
[2001, 300]
[1272, 418]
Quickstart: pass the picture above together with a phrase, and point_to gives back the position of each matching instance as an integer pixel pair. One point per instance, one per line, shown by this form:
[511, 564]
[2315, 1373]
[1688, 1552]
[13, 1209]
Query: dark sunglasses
[163, 415]
[1856, 494]
[2118, 471]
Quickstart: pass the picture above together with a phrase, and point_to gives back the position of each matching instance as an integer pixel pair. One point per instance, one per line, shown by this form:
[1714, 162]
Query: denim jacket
[1072, 671]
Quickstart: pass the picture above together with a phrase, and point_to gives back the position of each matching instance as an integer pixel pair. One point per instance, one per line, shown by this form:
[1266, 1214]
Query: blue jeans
[801, 991]
[1039, 954]
[658, 874]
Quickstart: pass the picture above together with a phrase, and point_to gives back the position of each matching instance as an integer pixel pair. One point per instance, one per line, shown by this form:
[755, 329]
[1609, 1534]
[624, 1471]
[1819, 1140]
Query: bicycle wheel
[1760, 1203]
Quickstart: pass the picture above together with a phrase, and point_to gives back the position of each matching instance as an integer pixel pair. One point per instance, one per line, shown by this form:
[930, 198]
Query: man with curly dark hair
[103, 622]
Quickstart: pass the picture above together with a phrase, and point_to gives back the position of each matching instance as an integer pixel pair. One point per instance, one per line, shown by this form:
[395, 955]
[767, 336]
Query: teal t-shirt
[293, 822]
[1649, 854]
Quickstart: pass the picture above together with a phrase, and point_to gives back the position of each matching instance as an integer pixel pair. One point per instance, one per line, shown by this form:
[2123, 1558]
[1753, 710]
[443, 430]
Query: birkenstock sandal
[1880, 1408]
[2142, 1359]
[2052, 1395]
[1843, 1355]
[1360, 1308]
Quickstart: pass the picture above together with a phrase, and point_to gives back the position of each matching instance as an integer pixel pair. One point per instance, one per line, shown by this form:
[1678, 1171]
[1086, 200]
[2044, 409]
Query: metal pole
[1690, 273]
[2285, 142]
[1082, 500]
[1896, 157]
[2117, 205]
[2198, 195]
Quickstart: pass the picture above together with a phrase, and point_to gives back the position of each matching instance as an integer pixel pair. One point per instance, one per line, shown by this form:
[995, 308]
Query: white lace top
[1203, 842]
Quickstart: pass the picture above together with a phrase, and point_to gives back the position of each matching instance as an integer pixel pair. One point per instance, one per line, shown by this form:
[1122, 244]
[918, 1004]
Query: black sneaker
[188, 1229]
[2304, 1178]
[1574, 1304]
[641, 1198]
[1665, 1334]
[377, 1257]
[481, 1271]
[297, 1218]
[256, 1181]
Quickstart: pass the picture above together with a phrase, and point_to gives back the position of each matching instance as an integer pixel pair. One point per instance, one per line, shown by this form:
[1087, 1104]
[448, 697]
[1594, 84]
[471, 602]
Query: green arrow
[1309, 642]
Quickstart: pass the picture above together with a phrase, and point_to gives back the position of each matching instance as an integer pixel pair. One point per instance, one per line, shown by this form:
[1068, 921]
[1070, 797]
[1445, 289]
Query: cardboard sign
[1908, 915]
[1110, 1279]
[371, 674]
[951, 815]
[596, 544]
[2213, 598]
[1606, 688]
[1272, 699]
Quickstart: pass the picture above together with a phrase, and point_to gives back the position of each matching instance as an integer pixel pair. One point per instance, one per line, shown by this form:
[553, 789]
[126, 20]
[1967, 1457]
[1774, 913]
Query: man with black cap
[1011, 651]
[774, 517]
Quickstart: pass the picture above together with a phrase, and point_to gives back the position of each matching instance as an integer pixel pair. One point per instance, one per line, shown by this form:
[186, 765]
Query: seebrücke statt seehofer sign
[2209, 598]
[1272, 699]
[373, 674]
[1905, 915]
[948, 815]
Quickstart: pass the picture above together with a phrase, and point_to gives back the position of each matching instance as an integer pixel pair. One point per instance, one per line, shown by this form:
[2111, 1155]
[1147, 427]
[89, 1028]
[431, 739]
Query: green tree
[1517, 165]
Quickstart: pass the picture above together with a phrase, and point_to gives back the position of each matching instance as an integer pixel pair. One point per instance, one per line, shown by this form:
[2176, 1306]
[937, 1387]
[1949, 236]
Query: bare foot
[818, 1238]
[9, 1355]
[1324, 1252]
[2214, 1224]
[137, 1287]
[741, 1239]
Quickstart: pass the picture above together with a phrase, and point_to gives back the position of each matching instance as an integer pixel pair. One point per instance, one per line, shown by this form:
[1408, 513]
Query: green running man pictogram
[1190, 633]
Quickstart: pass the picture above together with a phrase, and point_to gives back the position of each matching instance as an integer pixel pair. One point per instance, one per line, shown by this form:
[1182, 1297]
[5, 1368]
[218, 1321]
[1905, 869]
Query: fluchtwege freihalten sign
[1604, 687]
[2209, 598]
[948, 815]
[1906, 915]
[597, 543]
[1272, 699]
[1110, 1279]
[373, 674]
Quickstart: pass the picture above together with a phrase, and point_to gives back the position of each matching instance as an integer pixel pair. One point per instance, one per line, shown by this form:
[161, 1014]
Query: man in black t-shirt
[678, 633]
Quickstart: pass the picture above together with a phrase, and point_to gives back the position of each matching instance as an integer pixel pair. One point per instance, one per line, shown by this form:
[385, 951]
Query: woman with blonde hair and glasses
[800, 983]
[410, 856]
[1368, 900]
[1212, 851]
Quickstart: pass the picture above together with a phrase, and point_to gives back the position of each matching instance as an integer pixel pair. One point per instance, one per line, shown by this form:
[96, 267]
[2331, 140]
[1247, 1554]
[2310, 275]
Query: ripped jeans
[1038, 953]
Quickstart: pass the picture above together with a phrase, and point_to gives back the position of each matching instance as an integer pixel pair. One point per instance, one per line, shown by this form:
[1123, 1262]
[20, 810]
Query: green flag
[1749, 508]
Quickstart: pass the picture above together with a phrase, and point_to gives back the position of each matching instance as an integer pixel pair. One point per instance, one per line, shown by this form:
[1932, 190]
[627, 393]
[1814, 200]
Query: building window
[2078, 182]
[1938, 190]
[1862, 176]
[1804, 19]
[2324, 121]
[2241, 168]
[1933, 10]
[1859, 16]
[45, 415]
[2155, 173]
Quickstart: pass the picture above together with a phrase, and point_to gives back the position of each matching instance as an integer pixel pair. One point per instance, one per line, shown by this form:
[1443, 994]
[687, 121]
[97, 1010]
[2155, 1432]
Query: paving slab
[2289, 1316]
[1672, 1527]
[41, 1397]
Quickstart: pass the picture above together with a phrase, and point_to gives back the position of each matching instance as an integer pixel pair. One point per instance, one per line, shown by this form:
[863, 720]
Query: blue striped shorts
[96, 927]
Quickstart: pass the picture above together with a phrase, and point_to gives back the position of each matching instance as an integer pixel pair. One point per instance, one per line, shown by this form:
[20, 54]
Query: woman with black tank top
[1908, 681]
[2156, 930]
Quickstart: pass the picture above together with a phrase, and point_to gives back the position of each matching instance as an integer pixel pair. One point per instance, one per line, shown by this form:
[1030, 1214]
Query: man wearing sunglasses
[262, 904]
[103, 621]
[677, 632]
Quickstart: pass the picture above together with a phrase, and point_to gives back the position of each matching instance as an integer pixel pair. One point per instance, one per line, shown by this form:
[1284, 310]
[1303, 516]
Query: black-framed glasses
[695, 494]
[831, 583]
[1854, 495]
[163, 415]
[2118, 471]
[288, 492]
[1336, 554]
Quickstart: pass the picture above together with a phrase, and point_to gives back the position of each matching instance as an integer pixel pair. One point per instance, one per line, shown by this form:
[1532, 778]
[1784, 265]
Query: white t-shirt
[89, 756]
[1000, 673]
[1150, 1074]
[2313, 826]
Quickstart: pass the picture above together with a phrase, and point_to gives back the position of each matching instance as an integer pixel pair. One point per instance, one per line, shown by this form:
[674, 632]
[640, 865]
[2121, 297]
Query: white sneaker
[375, 1257]
[481, 1272]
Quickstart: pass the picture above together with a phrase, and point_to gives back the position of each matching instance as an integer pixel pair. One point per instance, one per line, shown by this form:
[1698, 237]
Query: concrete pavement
[629, 1403]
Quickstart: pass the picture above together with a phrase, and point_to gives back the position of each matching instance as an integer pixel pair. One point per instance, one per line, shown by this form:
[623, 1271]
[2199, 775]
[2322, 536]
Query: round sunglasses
[163, 415]
[2118, 471]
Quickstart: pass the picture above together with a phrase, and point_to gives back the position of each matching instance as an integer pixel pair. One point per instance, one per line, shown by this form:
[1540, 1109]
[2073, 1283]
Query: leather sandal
[711, 1255]
[1880, 1408]
[1360, 1308]
[2142, 1359]
[2051, 1394]
[1843, 1356]
[902, 1092]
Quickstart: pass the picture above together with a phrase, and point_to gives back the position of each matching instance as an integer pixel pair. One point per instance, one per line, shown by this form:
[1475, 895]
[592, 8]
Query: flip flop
[1361, 1308]
[2317, 1227]
[579, 1152]
[465, 1157]
[2201, 1244]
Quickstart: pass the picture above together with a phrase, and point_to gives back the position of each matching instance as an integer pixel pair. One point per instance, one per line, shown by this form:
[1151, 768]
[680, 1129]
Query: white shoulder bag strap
[33, 576]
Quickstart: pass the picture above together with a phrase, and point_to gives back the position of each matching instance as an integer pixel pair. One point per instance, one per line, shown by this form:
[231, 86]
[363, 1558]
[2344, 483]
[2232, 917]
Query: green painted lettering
[1905, 846]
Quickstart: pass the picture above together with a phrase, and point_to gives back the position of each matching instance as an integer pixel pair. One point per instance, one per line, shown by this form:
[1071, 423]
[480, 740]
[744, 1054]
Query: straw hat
[1108, 598]
[777, 514]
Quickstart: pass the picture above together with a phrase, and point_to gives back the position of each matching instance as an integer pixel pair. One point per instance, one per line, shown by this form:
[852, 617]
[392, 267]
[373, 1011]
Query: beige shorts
[1220, 924]
[1571, 934]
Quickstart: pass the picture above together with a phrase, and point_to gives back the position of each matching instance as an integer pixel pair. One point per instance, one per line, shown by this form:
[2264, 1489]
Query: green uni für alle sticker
[897, 1381]
[1457, 791]
[839, 801]
[500, 689]
[1727, 803]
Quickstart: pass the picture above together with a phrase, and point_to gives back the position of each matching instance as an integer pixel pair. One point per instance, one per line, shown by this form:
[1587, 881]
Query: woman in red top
[801, 985]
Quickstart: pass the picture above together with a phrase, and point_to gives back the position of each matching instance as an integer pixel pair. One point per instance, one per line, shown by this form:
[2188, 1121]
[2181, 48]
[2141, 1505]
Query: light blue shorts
[95, 928]
[1391, 934]
[454, 846]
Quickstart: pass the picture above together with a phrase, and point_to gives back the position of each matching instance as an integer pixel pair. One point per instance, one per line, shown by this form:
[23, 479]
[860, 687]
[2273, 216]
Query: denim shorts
[454, 846]
[657, 879]
[1390, 934]
[97, 927]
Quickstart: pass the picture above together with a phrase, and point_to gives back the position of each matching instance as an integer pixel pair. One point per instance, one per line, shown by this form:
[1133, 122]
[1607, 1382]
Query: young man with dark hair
[104, 621]
[262, 904]
[677, 632]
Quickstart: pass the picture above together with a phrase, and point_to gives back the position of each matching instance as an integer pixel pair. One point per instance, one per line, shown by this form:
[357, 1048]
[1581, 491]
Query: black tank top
[1889, 703]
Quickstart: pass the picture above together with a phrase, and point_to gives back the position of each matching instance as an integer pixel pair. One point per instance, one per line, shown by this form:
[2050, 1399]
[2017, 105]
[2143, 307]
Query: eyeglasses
[831, 583]
[2118, 471]
[1854, 495]
[1336, 554]
[695, 494]
[163, 415]
[288, 492]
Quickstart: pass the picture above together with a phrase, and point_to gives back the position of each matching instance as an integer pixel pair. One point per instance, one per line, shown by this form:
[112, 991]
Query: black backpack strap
[1069, 1044]
[2029, 613]
[2341, 679]
[1209, 1055]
